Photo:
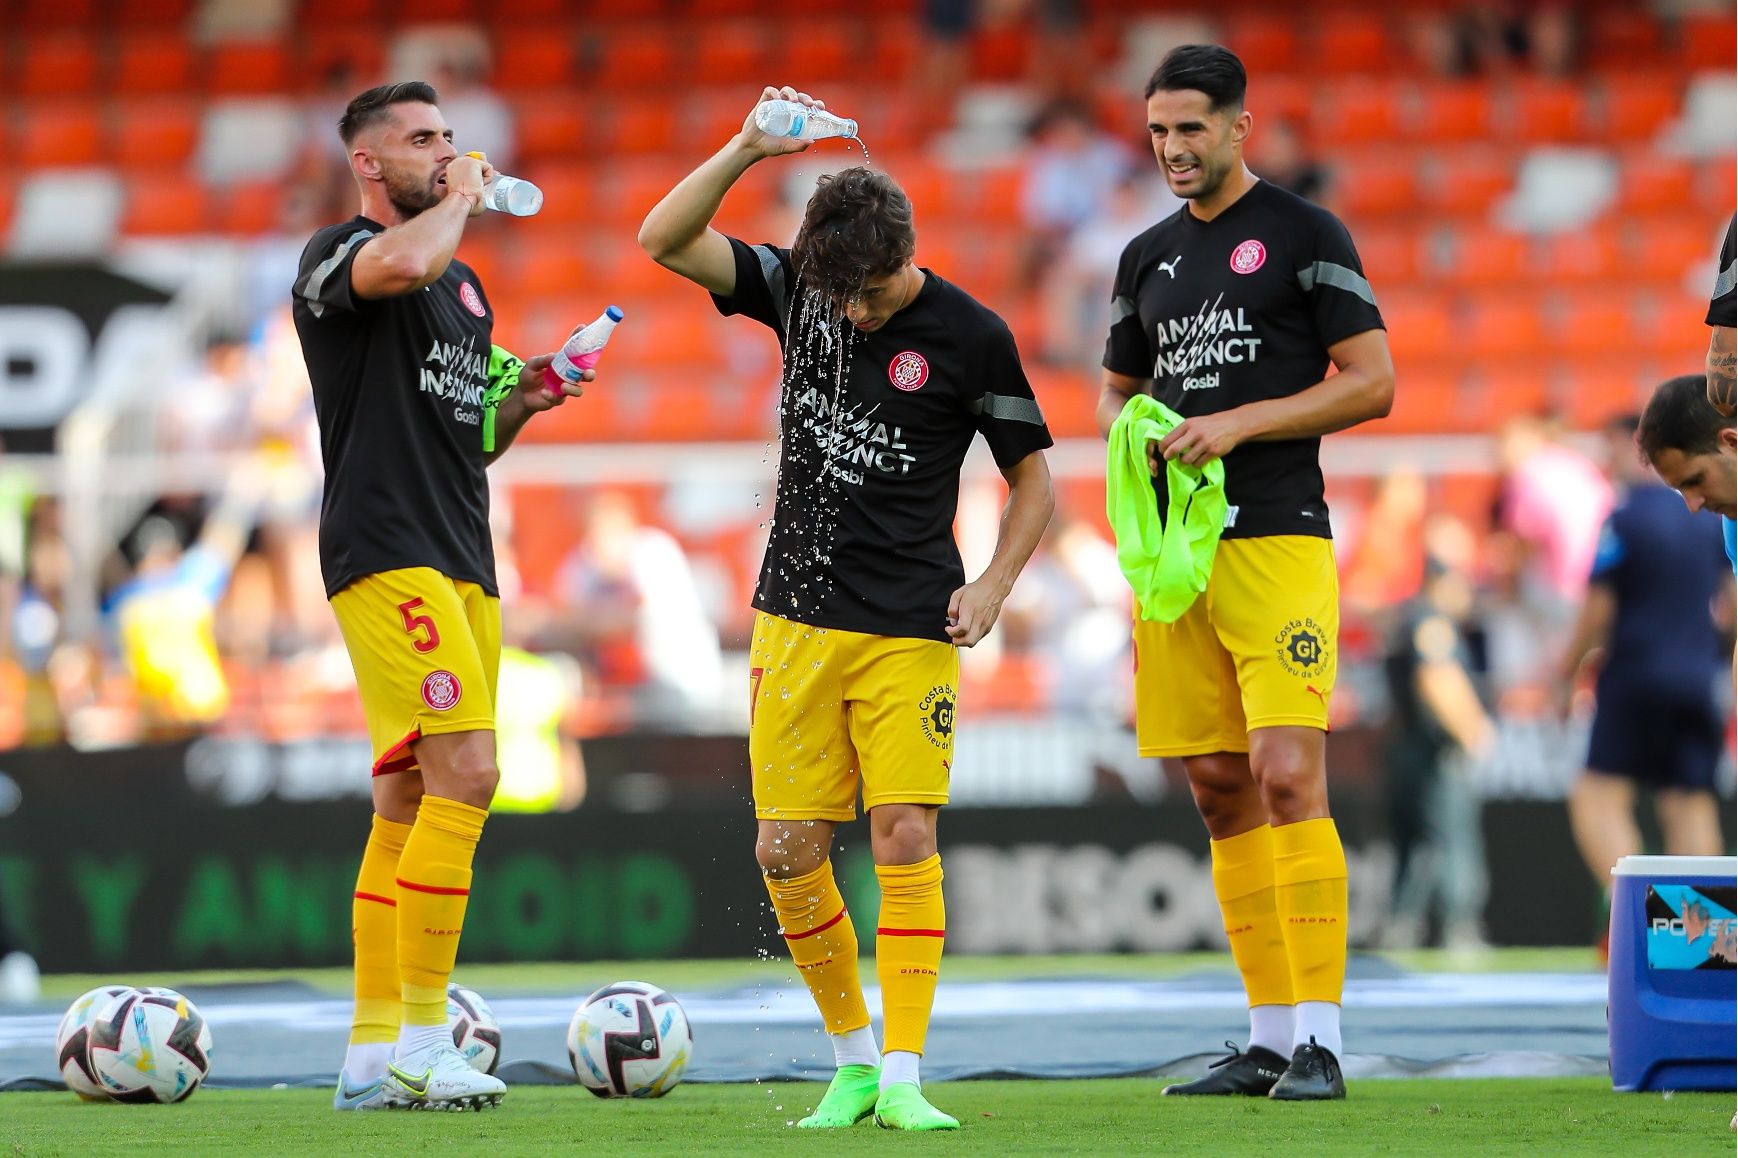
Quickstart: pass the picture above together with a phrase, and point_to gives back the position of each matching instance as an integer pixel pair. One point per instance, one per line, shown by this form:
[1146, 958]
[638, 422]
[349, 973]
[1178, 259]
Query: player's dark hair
[857, 227]
[1209, 68]
[1679, 417]
[375, 105]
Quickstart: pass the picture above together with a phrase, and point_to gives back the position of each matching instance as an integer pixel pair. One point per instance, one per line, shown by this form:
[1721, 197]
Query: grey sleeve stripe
[1009, 408]
[774, 273]
[1121, 307]
[316, 280]
[1728, 279]
[1338, 276]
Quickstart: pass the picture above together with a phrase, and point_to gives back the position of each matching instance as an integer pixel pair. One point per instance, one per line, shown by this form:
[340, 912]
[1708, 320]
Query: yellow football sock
[1243, 882]
[908, 944]
[434, 882]
[1309, 876]
[823, 943]
[374, 929]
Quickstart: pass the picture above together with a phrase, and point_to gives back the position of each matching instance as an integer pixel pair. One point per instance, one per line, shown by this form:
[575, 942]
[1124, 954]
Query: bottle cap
[614, 313]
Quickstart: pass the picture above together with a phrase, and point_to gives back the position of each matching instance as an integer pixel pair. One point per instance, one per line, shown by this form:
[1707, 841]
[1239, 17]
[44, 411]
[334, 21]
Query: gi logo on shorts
[1303, 649]
[908, 371]
[473, 302]
[937, 708]
[1248, 257]
[440, 690]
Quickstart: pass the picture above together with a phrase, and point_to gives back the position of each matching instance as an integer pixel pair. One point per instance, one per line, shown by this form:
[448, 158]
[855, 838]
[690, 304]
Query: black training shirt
[398, 389]
[1239, 309]
[1723, 303]
[873, 429]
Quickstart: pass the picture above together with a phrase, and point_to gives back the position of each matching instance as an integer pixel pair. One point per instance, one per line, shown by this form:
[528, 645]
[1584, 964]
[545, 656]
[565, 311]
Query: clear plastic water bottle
[801, 122]
[513, 195]
[583, 348]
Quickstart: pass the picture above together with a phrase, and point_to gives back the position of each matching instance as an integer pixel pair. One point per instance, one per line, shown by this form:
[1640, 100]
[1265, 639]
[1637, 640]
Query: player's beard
[412, 195]
[1213, 174]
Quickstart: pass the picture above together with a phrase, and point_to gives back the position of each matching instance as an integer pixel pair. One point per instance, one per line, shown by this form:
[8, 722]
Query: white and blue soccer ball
[71, 1054]
[149, 1045]
[476, 1033]
[629, 1040]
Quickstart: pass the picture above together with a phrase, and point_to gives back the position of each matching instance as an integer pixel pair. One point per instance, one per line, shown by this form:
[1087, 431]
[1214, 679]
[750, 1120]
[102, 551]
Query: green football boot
[850, 1098]
[902, 1106]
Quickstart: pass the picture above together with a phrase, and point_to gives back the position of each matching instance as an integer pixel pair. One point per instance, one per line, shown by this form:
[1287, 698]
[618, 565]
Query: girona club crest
[908, 371]
[1248, 257]
[440, 690]
[473, 301]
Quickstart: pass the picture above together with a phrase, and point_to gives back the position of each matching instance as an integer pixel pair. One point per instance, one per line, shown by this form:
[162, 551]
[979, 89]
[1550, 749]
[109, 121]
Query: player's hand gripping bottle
[513, 195]
[801, 122]
[582, 350]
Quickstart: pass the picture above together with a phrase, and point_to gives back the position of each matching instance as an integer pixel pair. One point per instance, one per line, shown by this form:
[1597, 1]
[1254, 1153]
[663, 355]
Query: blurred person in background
[414, 401]
[1285, 159]
[632, 607]
[542, 768]
[1072, 169]
[1231, 312]
[1437, 728]
[1648, 623]
[1553, 500]
[889, 373]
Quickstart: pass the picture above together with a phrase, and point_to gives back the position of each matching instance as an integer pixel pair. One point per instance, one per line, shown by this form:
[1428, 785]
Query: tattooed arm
[1720, 366]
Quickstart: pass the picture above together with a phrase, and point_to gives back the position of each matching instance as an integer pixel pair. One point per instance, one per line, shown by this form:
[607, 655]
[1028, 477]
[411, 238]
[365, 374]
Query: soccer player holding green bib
[890, 372]
[1229, 312]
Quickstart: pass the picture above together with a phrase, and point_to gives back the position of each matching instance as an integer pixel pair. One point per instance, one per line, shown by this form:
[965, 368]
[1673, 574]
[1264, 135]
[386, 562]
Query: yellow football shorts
[427, 652]
[1258, 649]
[830, 708]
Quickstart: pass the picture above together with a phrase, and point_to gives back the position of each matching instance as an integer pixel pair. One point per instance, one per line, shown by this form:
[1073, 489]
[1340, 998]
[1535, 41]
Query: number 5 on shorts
[412, 623]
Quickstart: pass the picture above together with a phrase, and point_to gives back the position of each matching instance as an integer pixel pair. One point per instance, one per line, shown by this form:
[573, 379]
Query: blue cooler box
[1674, 992]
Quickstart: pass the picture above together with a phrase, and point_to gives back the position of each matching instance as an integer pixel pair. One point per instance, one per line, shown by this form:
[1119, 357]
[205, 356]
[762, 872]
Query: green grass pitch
[1528, 1117]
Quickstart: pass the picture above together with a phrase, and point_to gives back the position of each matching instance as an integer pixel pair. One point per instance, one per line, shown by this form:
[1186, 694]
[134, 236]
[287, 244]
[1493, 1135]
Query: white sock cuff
[1320, 1020]
[855, 1047]
[1272, 1027]
[899, 1066]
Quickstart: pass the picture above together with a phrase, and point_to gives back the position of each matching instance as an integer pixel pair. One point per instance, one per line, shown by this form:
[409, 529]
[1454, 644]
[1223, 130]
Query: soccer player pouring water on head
[413, 402]
[1228, 314]
[889, 372]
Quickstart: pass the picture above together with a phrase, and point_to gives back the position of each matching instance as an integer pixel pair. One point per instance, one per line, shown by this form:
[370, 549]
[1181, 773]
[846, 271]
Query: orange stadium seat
[152, 62]
[1632, 106]
[61, 132]
[729, 51]
[362, 50]
[1479, 256]
[1453, 111]
[1265, 43]
[1706, 40]
[1651, 182]
[432, 11]
[633, 56]
[247, 68]
[828, 50]
[1593, 253]
[570, 194]
[1595, 390]
[1504, 389]
[135, 14]
[34, 14]
[1356, 110]
[1500, 326]
[893, 50]
[155, 132]
[341, 13]
[1539, 110]
[1427, 400]
[1715, 180]
[1668, 247]
[250, 209]
[1375, 185]
[1678, 332]
[1352, 40]
[1619, 37]
[1000, 52]
[1273, 95]
[534, 57]
[169, 202]
[1594, 321]
[505, 16]
[546, 126]
[1389, 254]
[1421, 326]
[56, 64]
[624, 127]
[1464, 181]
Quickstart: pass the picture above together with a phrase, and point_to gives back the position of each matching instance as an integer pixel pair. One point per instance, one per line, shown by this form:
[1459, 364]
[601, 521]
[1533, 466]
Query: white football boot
[440, 1078]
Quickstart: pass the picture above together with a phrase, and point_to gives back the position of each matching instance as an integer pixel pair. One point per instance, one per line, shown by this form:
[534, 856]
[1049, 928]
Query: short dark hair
[375, 105]
[857, 226]
[1679, 417]
[1209, 68]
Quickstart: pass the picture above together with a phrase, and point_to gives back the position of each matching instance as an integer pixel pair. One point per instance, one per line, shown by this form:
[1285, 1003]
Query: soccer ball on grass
[476, 1033]
[149, 1045]
[629, 1040]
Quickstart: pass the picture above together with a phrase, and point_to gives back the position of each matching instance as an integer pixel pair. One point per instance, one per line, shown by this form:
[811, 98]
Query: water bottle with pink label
[582, 349]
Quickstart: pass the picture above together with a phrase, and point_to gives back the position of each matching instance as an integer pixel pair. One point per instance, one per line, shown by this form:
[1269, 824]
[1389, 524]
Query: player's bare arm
[1113, 394]
[1031, 499]
[531, 396]
[678, 232]
[1721, 365]
[1362, 390]
[415, 253]
[1592, 629]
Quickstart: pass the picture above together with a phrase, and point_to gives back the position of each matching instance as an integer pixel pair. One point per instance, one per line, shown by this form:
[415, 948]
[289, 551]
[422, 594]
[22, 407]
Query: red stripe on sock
[404, 884]
[381, 900]
[911, 932]
[837, 917]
